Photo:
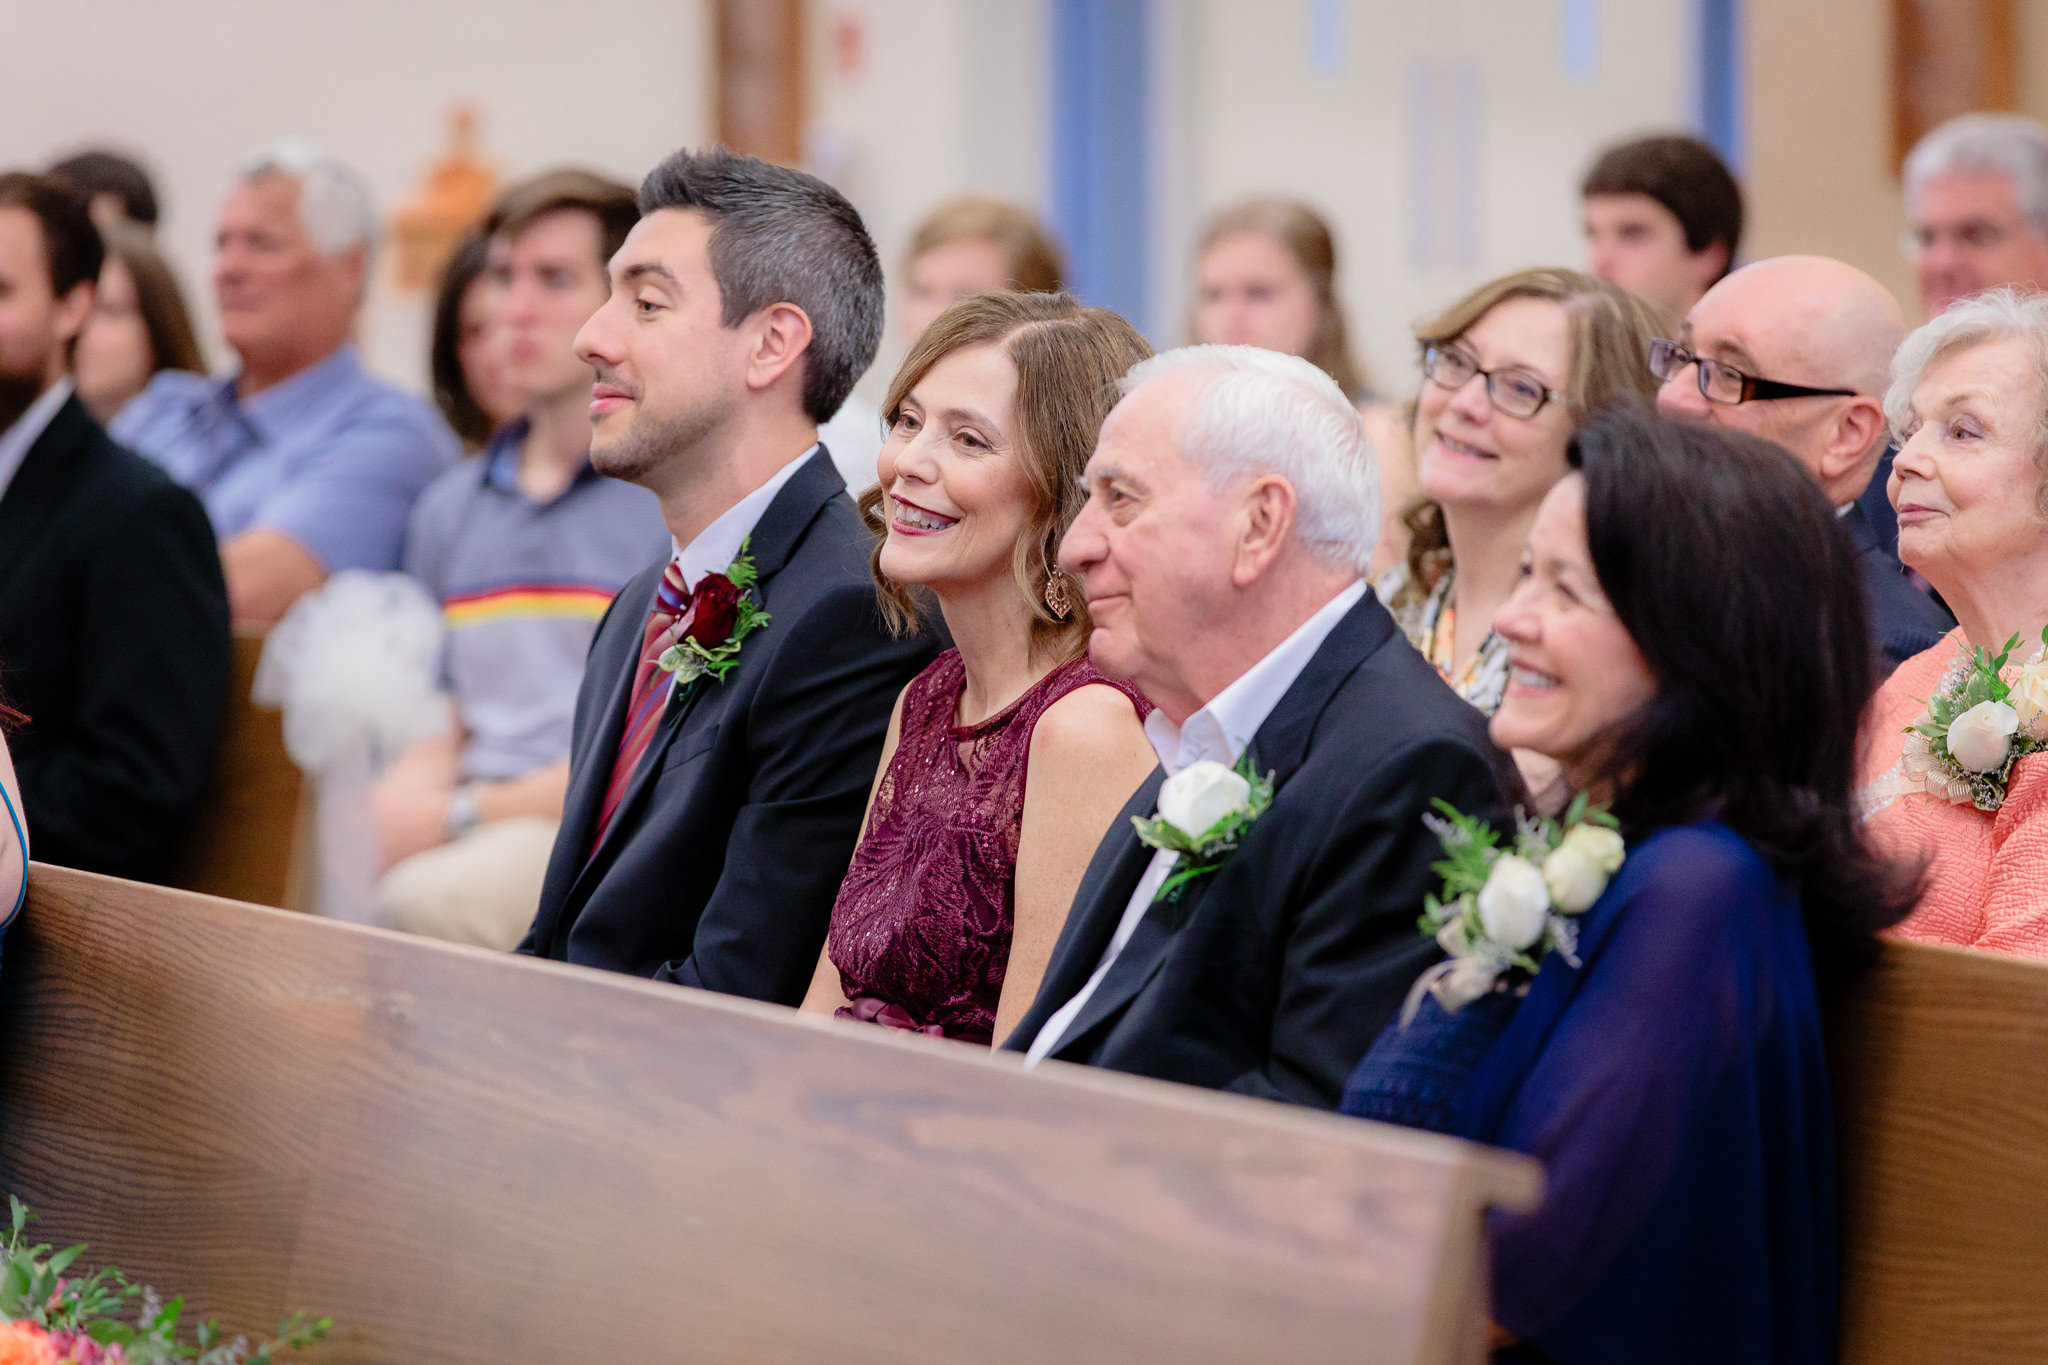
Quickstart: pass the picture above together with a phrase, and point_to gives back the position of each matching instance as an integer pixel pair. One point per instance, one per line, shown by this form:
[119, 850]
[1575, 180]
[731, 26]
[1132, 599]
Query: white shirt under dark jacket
[1222, 730]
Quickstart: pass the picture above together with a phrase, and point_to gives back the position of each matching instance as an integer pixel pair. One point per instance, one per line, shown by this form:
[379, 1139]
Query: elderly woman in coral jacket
[1950, 761]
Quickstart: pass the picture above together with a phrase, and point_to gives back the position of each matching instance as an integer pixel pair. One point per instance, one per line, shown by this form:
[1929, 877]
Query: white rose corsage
[1976, 726]
[1504, 910]
[1205, 810]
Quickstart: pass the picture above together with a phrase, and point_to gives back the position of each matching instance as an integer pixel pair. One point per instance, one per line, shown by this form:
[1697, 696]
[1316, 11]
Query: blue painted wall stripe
[1723, 95]
[1102, 59]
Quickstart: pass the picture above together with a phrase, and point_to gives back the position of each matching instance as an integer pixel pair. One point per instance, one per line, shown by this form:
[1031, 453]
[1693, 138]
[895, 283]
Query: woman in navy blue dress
[1689, 640]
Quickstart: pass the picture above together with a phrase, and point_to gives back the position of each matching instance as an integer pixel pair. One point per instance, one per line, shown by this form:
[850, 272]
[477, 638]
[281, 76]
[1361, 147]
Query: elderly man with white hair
[307, 465]
[1232, 512]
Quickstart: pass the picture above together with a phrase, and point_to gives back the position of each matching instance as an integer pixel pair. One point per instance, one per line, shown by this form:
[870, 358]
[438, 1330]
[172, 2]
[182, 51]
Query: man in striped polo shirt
[523, 547]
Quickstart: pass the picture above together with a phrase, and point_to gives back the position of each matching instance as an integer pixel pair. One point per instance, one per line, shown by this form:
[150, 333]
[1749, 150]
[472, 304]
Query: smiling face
[1152, 548]
[1576, 673]
[669, 372]
[948, 273]
[1971, 236]
[1469, 454]
[548, 280]
[1250, 291]
[957, 500]
[1967, 481]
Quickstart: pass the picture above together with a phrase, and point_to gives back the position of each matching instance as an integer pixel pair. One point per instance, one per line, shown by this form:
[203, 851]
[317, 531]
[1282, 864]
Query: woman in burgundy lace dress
[965, 871]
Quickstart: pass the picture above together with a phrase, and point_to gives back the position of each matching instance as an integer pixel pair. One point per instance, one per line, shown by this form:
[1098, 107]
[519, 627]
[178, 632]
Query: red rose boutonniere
[722, 613]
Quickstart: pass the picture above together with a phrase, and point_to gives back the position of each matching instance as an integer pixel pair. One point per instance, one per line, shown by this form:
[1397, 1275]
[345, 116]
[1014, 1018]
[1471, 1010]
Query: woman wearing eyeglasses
[1509, 371]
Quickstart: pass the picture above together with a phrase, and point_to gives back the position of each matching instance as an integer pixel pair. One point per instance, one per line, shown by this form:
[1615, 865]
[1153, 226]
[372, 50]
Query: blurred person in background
[1508, 372]
[523, 547]
[1266, 275]
[465, 357]
[1663, 219]
[1798, 350]
[974, 245]
[139, 326]
[113, 615]
[1977, 204]
[118, 189]
[307, 464]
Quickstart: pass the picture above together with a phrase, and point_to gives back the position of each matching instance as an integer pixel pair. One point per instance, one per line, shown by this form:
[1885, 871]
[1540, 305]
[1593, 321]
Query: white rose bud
[1194, 799]
[1574, 878]
[2030, 699]
[1598, 842]
[1979, 737]
[1514, 904]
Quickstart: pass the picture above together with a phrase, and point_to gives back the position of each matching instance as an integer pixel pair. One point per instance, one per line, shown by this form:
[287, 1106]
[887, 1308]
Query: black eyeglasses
[1724, 384]
[1515, 392]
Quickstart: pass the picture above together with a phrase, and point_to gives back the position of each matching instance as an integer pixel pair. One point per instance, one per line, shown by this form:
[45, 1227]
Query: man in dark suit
[711, 814]
[1233, 507]
[1798, 350]
[113, 615]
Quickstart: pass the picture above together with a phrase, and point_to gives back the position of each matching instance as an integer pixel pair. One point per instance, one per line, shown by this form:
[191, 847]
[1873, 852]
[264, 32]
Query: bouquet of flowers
[1504, 909]
[1976, 726]
[103, 1319]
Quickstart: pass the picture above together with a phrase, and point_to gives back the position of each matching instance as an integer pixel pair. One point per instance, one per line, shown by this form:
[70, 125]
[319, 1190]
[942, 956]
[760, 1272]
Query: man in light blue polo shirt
[523, 548]
[307, 465]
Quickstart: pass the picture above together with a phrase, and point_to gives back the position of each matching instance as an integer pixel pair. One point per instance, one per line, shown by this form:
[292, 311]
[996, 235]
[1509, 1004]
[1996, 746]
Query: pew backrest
[252, 836]
[1940, 1059]
[465, 1157]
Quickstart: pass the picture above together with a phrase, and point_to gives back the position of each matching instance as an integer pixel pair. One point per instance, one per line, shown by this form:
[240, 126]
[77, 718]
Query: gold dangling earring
[1056, 599]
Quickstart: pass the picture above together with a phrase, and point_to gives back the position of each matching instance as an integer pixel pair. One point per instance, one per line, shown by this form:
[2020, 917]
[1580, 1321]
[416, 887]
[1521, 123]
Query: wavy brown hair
[1611, 332]
[1308, 239]
[1068, 361]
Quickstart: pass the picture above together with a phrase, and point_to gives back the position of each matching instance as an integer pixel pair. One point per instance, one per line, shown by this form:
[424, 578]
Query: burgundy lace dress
[921, 930]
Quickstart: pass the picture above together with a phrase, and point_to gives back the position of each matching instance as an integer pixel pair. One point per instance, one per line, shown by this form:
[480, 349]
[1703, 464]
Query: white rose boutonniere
[1505, 909]
[1976, 726]
[1204, 813]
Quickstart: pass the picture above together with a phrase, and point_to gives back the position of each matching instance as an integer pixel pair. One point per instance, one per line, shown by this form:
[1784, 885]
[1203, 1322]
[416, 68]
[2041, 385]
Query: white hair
[335, 204]
[2004, 314]
[2012, 144]
[1265, 412]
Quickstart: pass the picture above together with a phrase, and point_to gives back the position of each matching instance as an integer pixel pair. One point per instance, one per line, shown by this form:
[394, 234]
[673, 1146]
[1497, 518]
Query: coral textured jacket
[1986, 873]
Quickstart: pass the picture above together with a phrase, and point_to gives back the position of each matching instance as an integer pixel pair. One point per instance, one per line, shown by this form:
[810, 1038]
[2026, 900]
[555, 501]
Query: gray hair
[2004, 314]
[336, 207]
[781, 236]
[1265, 412]
[2011, 144]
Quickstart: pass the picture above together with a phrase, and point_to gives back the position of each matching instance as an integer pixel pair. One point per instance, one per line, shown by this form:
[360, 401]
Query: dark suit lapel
[774, 538]
[1279, 748]
[38, 486]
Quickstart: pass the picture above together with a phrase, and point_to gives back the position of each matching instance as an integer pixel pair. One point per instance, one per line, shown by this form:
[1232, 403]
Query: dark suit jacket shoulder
[1272, 976]
[114, 639]
[1903, 620]
[721, 865]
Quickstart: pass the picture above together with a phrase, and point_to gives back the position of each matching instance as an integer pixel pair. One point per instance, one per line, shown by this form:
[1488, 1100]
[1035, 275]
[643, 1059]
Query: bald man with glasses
[1798, 350]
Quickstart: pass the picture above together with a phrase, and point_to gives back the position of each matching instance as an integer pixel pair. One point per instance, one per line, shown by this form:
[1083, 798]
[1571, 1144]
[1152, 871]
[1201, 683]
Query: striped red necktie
[649, 699]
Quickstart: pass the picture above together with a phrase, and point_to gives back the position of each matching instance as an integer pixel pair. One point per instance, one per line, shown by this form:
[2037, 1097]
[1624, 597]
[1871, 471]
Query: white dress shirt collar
[718, 544]
[28, 429]
[1223, 729]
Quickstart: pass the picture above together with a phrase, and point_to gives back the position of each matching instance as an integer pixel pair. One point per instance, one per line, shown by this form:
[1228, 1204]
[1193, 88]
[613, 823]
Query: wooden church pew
[252, 836]
[469, 1158]
[1940, 1059]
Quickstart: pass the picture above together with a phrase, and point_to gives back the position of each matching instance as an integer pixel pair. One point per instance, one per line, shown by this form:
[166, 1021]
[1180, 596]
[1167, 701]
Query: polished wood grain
[471, 1158]
[254, 822]
[1941, 1076]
